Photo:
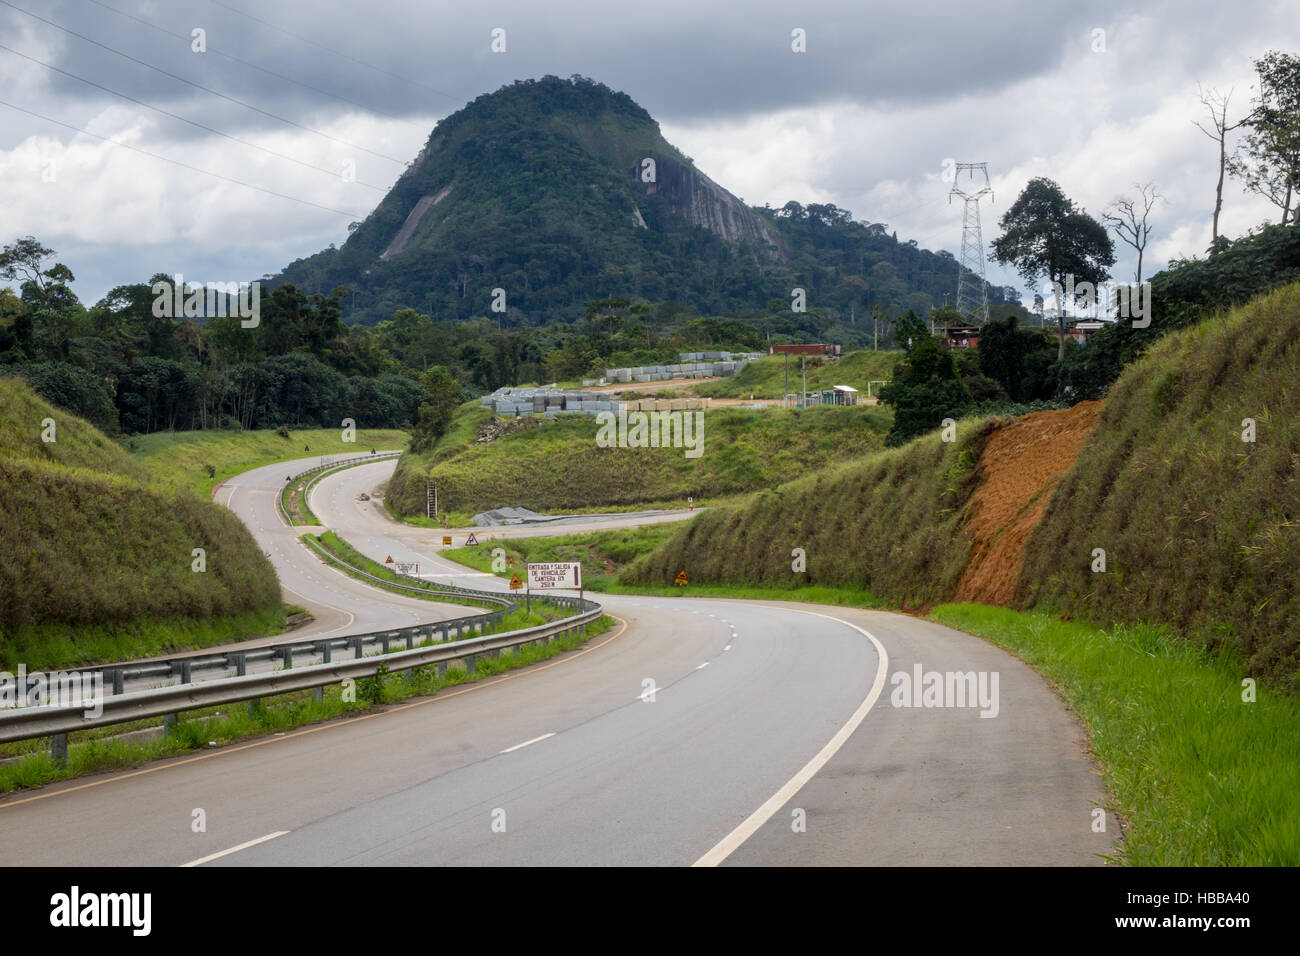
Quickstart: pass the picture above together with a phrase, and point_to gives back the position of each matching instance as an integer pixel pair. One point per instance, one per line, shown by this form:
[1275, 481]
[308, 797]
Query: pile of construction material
[511, 402]
[544, 401]
[692, 365]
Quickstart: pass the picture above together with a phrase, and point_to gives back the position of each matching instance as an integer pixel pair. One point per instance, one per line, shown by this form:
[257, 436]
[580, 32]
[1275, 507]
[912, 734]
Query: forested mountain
[543, 189]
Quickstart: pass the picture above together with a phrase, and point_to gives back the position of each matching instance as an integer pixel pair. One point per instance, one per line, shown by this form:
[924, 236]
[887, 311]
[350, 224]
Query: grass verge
[285, 712]
[1202, 777]
[52, 646]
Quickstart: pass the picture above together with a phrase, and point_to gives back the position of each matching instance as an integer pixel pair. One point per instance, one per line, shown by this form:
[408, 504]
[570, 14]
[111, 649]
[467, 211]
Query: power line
[236, 139]
[177, 162]
[199, 86]
[346, 56]
[254, 66]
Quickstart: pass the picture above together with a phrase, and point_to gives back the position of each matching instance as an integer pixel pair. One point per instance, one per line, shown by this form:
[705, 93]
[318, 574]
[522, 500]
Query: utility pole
[972, 303]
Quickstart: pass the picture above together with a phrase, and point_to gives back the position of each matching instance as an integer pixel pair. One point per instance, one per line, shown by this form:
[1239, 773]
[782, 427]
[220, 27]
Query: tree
[1044, 234]
[1128, 217]
[908, 330]
[1268, 158]
[926, 389]
[1217, 105]
[442, 394]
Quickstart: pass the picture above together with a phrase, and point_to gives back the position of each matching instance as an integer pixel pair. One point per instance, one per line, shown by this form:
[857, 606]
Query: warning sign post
[553, 575]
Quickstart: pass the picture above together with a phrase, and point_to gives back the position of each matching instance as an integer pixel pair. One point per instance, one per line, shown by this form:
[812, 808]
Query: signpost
[446, 539]
[550, 575]
[681, 580]
[515, 583]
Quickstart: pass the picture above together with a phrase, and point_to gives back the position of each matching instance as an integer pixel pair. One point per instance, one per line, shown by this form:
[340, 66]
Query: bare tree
[1128, 217]
[1217, 105]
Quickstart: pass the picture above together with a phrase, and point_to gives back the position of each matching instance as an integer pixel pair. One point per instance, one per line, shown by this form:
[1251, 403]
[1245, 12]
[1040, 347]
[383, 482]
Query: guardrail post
[169, 723]
[59, 750]
[181, 668]
[442, 668]
[357, 648]
[469, 663]
[383, 642]
[240, 661]
[119, 680]
[443, 630]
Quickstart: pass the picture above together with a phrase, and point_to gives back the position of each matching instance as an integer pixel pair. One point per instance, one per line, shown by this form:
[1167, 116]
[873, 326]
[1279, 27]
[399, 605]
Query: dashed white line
[727, 648]
[527, 742]
[702, 666]
[234, 849]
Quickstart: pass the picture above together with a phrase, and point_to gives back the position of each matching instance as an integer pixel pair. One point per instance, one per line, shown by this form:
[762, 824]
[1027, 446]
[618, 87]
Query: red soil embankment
[1019, 468]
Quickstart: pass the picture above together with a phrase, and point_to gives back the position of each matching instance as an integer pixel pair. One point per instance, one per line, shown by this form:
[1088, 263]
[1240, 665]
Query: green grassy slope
[179, 459]
[1201, 529]
[765, 377]
[558, 465]
[96, 559]
[891, 523]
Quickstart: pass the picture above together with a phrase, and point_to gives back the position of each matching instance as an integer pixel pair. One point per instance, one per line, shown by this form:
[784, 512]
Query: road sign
[388, 560]
[471, 540]
[554, 574]
[446, 539]
[681, 578]
[515, 583]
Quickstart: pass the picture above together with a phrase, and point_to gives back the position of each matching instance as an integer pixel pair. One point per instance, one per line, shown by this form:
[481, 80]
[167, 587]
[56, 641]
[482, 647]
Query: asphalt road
[698, 731]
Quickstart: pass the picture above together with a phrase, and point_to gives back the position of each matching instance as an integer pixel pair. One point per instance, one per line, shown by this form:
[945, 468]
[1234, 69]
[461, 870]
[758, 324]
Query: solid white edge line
[234, 849]
[527, 742]
[750, 825]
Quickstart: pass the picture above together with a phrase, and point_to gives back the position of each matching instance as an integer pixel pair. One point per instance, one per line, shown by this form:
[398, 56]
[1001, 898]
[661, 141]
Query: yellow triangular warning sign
[515, 583]
[388, 560]
[681, 578]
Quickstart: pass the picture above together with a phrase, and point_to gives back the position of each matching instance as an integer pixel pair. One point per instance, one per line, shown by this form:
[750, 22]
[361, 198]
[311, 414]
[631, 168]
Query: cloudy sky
[1096, 94]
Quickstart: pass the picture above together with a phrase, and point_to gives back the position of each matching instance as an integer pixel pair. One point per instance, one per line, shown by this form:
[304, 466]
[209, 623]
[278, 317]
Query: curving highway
[697, 731]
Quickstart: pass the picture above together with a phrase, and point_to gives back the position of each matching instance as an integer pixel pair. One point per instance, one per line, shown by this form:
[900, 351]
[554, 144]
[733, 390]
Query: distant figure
[306, 448]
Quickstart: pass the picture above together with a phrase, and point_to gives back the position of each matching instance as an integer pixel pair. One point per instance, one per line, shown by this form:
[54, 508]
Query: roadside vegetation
[766, 377]
[181, 459]
[1200, 776]
[603, 554]
[558, 466]
[1190, 483]
[99, 560]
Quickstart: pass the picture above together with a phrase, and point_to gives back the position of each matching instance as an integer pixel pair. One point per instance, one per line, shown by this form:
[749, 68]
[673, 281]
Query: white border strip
[732, 841]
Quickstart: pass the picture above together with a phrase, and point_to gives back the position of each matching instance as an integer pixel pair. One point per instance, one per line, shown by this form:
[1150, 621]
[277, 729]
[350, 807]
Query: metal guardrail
[323, 469]
[59, 720]
[120, 706]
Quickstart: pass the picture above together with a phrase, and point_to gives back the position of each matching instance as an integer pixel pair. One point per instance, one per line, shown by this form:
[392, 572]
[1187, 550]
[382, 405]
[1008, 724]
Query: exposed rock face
[412, 221]
[702, 202]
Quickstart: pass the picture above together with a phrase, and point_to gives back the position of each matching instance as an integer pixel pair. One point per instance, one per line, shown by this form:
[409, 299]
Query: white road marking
[702, 666]
[234, 849]
[527, 742]
[727, 648]
[750, 825]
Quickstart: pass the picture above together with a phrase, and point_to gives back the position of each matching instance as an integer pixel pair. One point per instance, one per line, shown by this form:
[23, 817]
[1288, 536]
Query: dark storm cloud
[680, 60]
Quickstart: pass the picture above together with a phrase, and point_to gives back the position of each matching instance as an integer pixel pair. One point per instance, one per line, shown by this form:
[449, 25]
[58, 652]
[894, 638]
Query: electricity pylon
[972, 303]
